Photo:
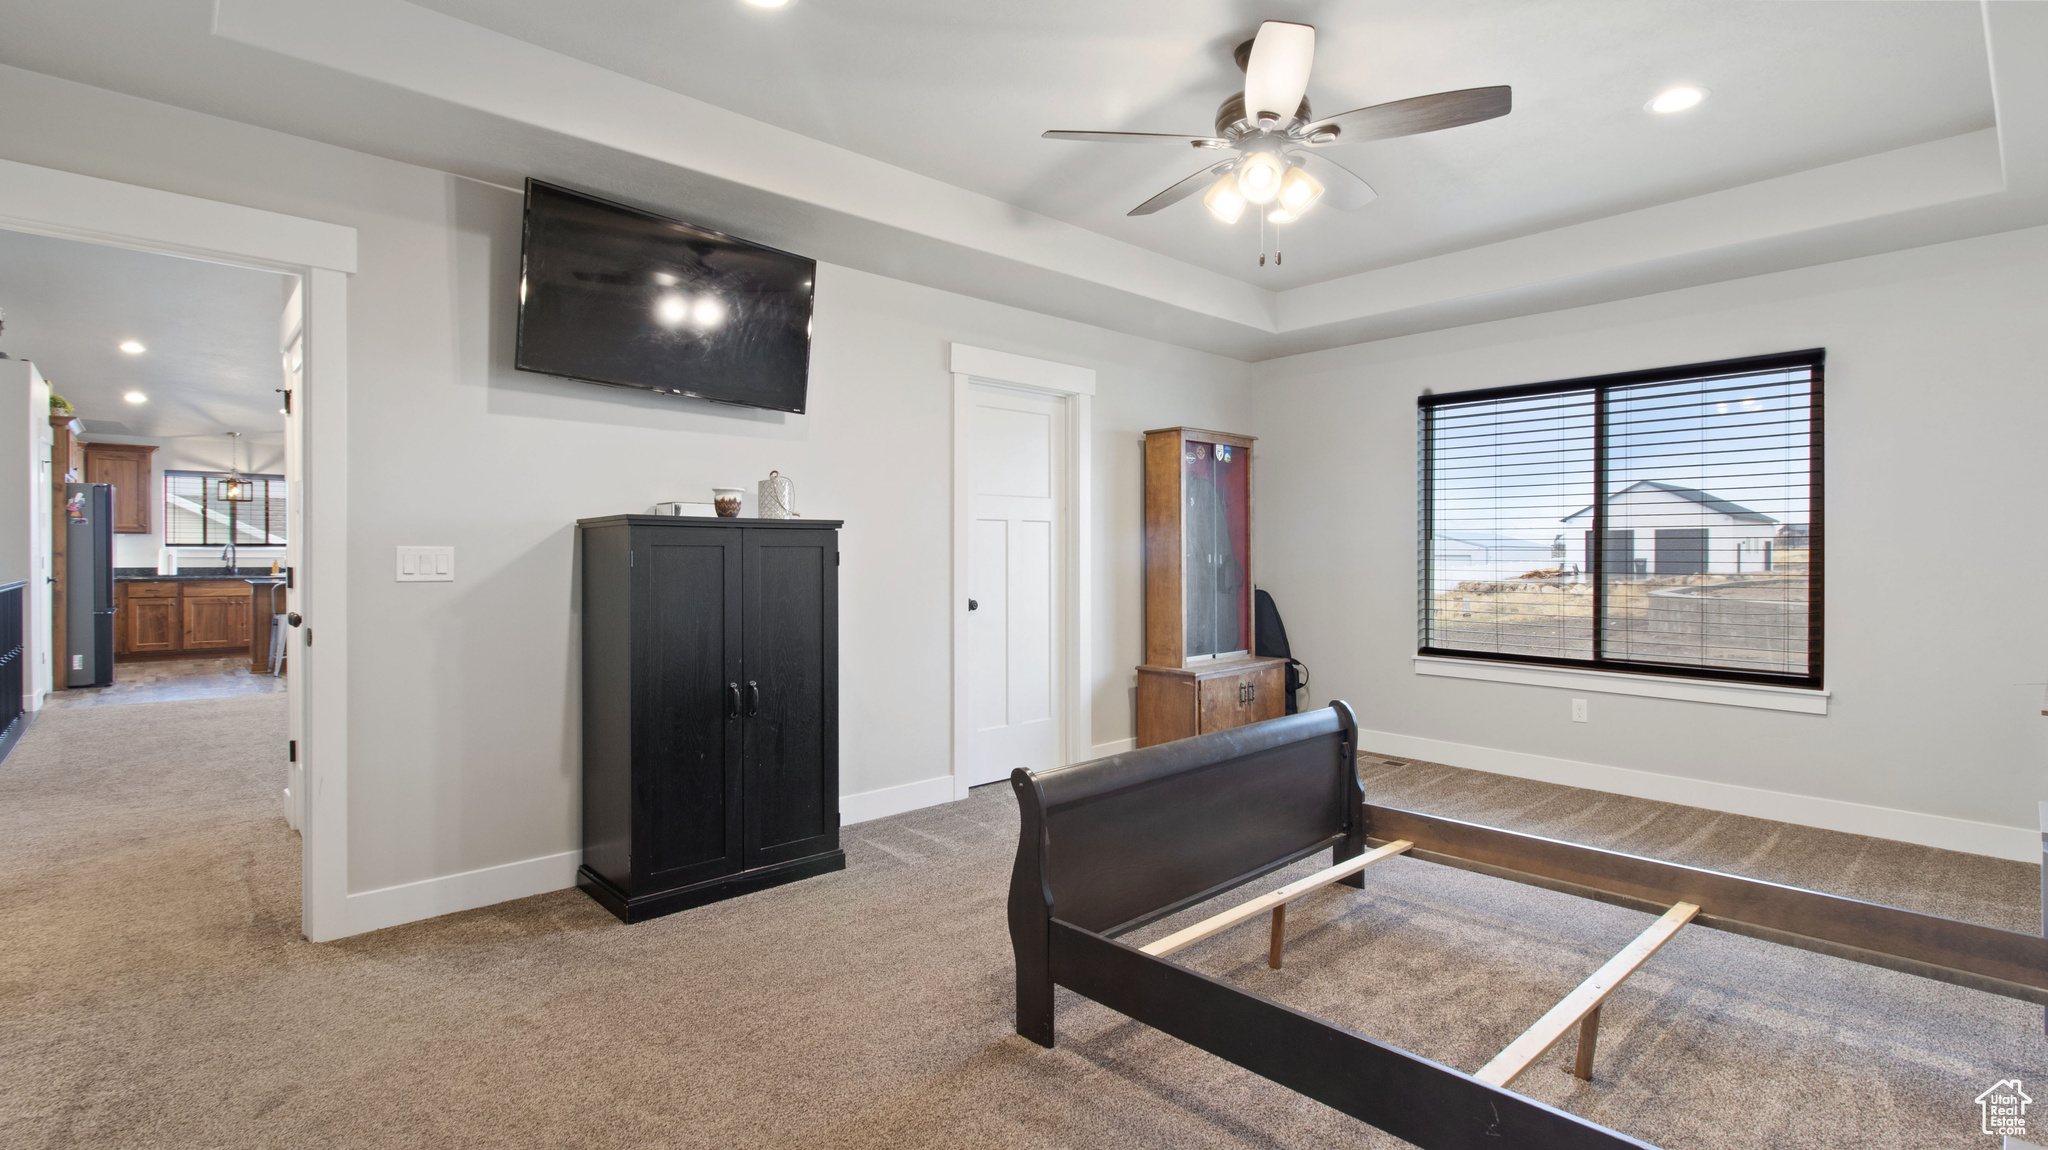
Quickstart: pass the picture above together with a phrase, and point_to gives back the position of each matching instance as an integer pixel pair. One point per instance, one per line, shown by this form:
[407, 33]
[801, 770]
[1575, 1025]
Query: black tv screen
[612, 294]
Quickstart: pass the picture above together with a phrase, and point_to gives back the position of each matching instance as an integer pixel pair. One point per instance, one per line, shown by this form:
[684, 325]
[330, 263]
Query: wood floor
[168, 680]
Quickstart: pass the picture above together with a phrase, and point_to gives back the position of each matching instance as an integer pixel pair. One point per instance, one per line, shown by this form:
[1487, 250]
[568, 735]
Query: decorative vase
[774, 496]
[727, 500]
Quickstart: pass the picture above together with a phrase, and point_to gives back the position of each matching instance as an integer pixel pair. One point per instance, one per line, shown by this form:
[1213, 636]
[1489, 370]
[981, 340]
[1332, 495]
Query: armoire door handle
[732, 700]
[753, 698]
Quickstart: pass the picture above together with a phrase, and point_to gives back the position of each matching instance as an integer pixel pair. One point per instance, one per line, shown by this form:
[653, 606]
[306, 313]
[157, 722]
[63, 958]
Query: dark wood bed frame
[1108, 846]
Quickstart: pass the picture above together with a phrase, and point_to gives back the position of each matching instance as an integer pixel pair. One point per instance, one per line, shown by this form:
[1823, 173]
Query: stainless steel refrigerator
[89, 584]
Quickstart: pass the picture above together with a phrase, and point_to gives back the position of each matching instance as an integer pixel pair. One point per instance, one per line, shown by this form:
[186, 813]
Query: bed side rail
[1406, 1095]
[1963, 953]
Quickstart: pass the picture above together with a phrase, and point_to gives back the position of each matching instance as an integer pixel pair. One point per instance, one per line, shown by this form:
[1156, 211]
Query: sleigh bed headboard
[1113, 844]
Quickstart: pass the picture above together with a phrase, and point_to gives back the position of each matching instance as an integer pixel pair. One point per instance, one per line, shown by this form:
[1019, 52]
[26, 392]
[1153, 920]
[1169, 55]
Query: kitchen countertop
[219, 574]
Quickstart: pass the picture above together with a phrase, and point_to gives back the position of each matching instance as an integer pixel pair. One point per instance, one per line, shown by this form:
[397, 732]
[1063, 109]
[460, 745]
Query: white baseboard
[446, 894]
[427, 898]
[1113, 747]
[2020, 844]
[895, 800]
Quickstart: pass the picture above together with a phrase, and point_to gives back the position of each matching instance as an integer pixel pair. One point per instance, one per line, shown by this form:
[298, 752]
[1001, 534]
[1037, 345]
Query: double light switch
[426, 564]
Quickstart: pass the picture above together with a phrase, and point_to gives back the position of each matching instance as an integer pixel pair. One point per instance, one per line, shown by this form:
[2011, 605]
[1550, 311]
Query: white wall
[192, 453]
[25, 513]
[464, 705]
[1936, 405]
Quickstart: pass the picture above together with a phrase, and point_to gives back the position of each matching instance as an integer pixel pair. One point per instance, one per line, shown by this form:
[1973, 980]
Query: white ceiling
[211, 331]
[900, 137]
[960, 92]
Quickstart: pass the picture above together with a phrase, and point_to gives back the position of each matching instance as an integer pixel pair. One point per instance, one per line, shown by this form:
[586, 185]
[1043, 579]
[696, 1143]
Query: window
[1664, 522]
[196, 516]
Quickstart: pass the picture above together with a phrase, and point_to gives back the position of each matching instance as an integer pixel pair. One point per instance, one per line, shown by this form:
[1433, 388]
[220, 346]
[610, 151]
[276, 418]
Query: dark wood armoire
[710, 708]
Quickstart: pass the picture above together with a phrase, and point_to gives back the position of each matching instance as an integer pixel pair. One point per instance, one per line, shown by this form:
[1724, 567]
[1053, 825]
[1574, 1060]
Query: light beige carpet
[154, 990]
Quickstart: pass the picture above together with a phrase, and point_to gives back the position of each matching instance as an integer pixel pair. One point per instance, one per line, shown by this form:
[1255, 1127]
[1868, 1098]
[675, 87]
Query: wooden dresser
[1199, 673]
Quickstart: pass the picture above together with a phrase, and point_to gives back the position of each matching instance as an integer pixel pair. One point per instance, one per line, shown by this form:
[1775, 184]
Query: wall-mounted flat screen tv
[612, 294]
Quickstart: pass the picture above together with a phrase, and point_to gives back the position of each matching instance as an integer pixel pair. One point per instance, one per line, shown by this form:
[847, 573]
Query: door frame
[1076, 385]
[50, 202]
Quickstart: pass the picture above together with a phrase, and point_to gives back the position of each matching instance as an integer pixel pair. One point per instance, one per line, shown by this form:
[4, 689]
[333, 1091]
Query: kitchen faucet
[227, 556]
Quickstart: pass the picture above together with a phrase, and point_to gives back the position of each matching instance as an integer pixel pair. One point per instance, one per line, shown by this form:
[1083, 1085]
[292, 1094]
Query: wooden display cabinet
[1199, 673]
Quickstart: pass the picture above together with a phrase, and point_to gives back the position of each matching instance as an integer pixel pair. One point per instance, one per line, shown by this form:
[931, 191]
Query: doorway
[318, 257]
[1016, 479]
[1021, 545]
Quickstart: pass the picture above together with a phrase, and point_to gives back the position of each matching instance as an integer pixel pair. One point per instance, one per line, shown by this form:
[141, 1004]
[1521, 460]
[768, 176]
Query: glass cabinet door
[1216, 539]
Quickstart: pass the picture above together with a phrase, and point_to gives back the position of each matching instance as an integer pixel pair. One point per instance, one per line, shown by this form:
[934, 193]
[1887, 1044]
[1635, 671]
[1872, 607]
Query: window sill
[1761, 696]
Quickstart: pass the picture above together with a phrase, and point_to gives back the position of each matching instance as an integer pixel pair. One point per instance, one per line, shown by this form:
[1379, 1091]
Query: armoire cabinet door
[686, 647]
[792, 665]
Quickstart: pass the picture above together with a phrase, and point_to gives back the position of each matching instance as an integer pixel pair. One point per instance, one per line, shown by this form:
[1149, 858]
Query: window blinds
[1665, 521]
[194, 516]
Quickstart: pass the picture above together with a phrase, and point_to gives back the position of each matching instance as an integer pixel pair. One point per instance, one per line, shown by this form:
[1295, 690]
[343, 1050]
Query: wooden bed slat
[1584, 1003]
[1217, 924]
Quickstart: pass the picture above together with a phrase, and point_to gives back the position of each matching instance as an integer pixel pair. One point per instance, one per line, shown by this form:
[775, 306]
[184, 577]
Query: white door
[293, 340]
[1016, 514]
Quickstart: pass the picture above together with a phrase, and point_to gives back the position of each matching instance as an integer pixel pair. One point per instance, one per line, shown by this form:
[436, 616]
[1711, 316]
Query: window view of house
[1649, 523]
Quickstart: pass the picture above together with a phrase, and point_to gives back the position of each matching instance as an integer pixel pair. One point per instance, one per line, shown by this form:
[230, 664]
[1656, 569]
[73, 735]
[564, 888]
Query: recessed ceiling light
[136, 397]
[768, 3]
[1676, 100]
[132, 347]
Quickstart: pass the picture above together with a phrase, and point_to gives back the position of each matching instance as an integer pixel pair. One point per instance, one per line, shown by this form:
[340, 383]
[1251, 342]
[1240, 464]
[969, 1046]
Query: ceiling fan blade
[1184, 189]
[1276, 75]
[1140, 138]
[1412, 116]
[1342, 187]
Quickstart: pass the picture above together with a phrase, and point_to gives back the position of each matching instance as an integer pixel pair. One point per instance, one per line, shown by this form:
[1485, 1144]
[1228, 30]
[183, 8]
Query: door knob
[293, 618]
[973, 605]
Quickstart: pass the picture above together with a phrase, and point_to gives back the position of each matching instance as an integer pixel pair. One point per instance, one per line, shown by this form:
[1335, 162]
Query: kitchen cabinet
[166, 617]
[216, 616]
[128, 467]
[710, 709]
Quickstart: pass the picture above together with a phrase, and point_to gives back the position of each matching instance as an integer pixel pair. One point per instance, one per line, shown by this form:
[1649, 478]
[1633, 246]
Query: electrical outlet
[1578, 710]
[426, 564]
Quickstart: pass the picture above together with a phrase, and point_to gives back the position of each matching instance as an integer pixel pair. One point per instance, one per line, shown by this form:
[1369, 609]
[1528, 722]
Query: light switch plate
[426, 564]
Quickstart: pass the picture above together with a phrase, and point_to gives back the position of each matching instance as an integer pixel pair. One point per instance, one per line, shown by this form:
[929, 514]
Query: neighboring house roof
[1735, 511]
[1493, 541]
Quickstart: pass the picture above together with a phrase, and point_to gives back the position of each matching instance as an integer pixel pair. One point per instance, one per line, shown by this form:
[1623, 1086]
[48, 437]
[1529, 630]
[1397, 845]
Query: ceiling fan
[1275, 140]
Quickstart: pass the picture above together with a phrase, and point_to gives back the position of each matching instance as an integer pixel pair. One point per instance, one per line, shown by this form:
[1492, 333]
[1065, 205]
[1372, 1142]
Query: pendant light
[235, 488]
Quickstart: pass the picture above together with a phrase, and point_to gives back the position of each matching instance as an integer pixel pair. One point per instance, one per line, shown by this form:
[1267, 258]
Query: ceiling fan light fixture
[1258, 177]
[1223, 199]
[1676, 100]
[1281, 216]
[1299, 192]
